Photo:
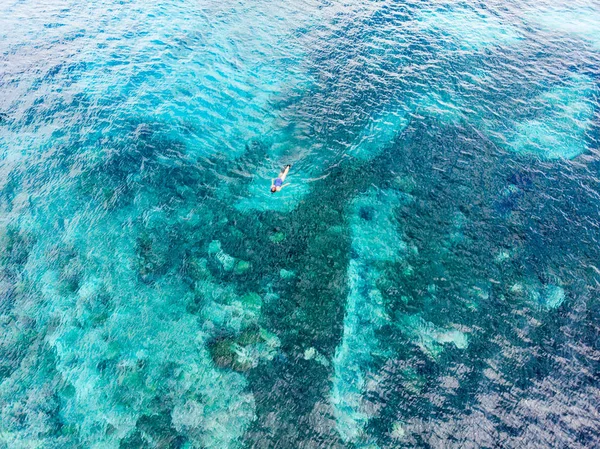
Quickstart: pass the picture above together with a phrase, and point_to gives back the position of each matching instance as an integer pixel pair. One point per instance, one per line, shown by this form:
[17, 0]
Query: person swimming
[277, 184]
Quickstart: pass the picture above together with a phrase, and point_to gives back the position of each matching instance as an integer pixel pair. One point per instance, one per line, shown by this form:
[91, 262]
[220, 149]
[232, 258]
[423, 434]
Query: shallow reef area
[562, 118]
[375, 241]
[428, 279]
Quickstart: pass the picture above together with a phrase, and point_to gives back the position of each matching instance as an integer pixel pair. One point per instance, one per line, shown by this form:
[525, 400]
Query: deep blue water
[429, 279]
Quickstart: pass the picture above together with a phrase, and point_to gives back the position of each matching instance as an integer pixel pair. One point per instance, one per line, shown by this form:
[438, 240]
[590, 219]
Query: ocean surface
[429, 279]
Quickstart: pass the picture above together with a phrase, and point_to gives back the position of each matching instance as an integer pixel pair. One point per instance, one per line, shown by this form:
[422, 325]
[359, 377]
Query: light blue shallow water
[429, 278]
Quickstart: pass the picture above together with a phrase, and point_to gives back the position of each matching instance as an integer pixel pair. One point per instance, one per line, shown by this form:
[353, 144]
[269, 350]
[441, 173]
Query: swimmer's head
[273, 189]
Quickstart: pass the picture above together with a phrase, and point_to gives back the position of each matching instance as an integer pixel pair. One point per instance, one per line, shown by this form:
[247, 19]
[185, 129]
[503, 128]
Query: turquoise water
[429, 279]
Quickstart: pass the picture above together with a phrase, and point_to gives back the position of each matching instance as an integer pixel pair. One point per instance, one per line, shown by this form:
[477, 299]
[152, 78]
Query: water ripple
[429, 278]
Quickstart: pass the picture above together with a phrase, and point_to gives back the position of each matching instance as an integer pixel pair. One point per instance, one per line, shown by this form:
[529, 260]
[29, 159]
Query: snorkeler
[277, 184]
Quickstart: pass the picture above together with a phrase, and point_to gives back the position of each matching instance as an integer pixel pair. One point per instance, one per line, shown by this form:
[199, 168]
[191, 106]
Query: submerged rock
[312, 354]
[286, 274]
[242, 266]
[252, 301]
[277, 237]
[398, 431]
[226, 261]
[245, 351]
[430, 338]
[547, 296]
[553, 296]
